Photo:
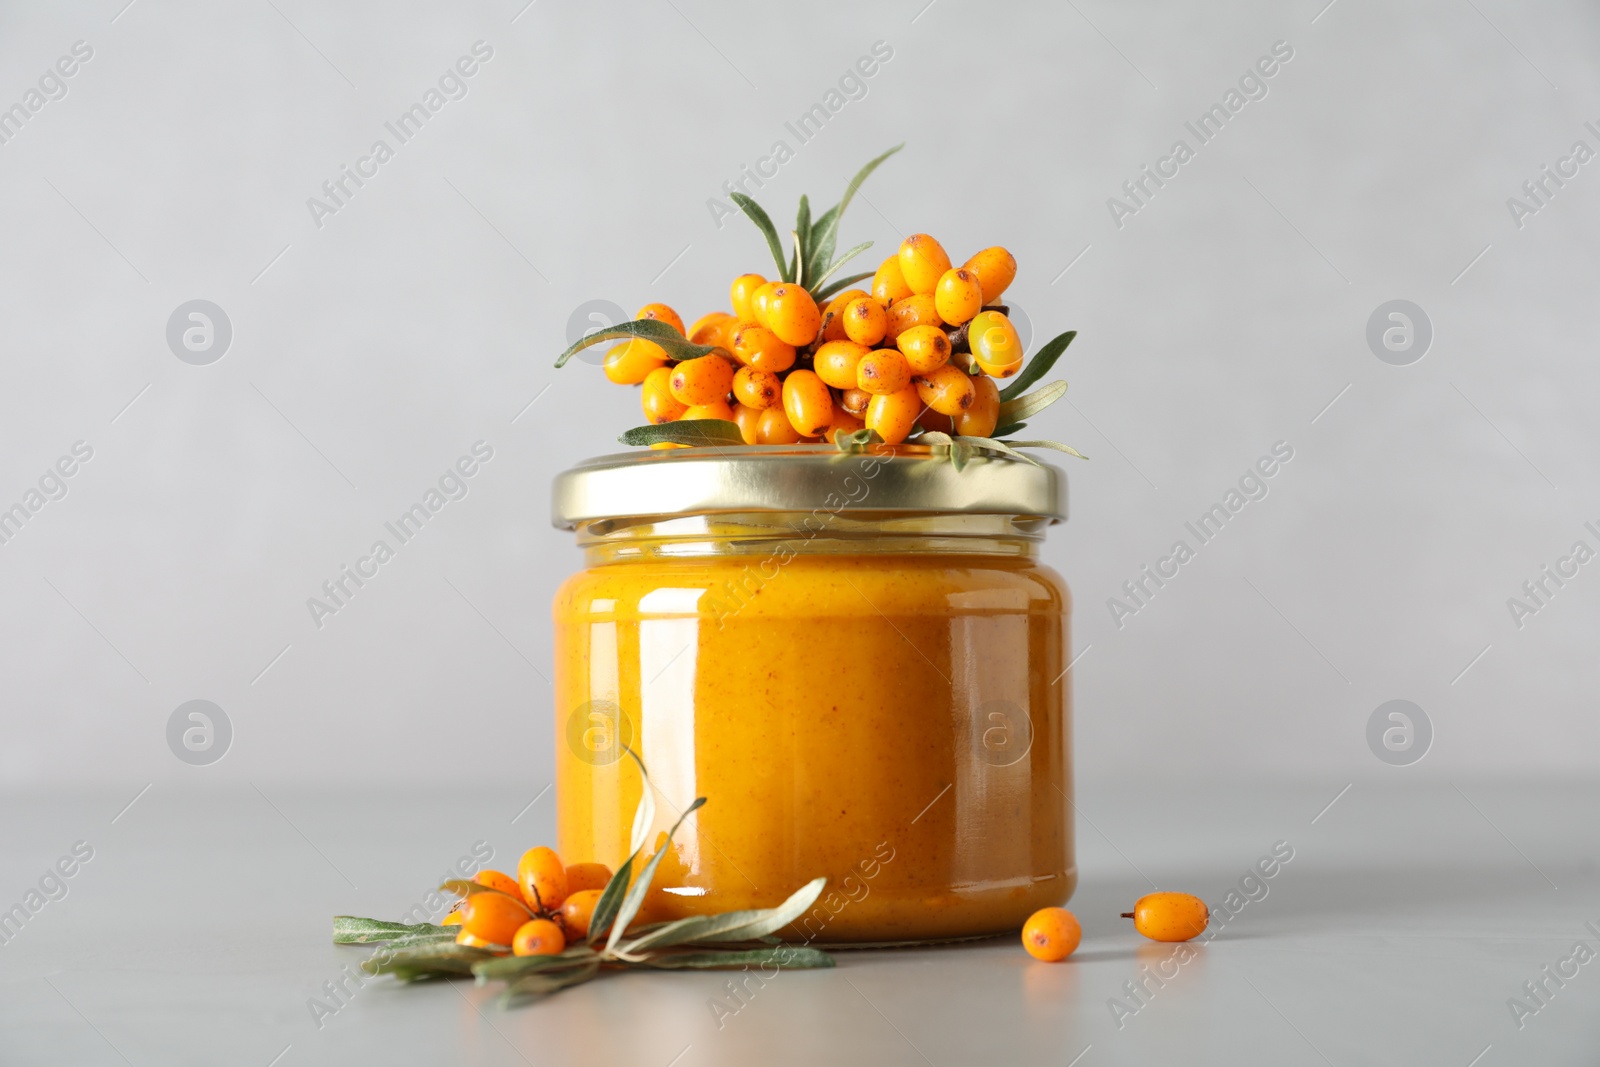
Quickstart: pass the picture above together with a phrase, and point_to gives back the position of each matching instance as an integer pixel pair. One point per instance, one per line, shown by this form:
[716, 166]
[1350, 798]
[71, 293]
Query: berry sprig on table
[806, 358]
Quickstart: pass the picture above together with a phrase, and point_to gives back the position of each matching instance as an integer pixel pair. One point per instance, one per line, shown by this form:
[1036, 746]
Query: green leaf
[853, 441]
[1008, 428]
[1038, 366]
[442, 958]
[802, 242]
[842, 260]
[826, 231]
[674, 343]
[606, 908]
[764, 223]
[686, 432]
[783, 956]
[989, 444]
[1023, 407]
[641, 886]
[1057, 445]
[732, 925]
[543, 983]
[508, 967]
[829, 292]
[354, 930]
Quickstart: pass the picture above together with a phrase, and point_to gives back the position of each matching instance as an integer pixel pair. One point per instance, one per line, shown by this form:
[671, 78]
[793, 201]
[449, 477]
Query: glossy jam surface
[896, 723]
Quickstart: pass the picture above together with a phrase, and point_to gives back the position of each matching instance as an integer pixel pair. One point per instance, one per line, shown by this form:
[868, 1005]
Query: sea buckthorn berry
[892, 415]
[775, 428]
[882, 371]
[499, 880]
[586, 875]
[983, 415]
[702, 380]
[543, 879]
[631, 362]
[740, 292]
[926, 348]
[540, 937]
[995, 344]
[661, 313]
[888, 285]
[855, 401]
[835, 362]
[922, 263]
[757, 388]
[656, 397]
[1051, 934]
[662, 446]
[717, 409]
[932, 420]
[995, 268]
[915, 310]
[865, 321]
[748, 420]
[807, 402]
[758, 347]
[453, 919]
[790, 313]
[494, 917]
[1169, 916]
[843, 422]
[833, 315]
[760, 300]
[464, 938]
[711, 329]
[948, 390]
[578, 909]
[959, 296]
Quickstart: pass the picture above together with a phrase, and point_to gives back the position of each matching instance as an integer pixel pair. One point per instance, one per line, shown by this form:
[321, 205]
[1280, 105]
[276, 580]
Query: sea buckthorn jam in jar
[857, 658]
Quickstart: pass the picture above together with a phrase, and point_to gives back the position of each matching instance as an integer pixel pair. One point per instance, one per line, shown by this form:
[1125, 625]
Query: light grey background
[368, 354]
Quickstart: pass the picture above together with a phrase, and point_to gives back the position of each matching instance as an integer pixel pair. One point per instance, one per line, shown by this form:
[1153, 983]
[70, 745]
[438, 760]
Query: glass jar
[856, 658]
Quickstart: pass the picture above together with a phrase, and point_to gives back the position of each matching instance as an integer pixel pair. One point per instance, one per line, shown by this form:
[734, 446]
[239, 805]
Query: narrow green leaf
[792, 957]
[827, 293]
[828, 230]
[935, 437]
[989, 444]
[1038, 366]
[802, 242]
[447, 957]
[542, 983]
[842, 260]
[605, 909]
[641, 886]
[1024, 407]
[1008, 428]
[960, 453]
[1057, 445]
[764, 223]
[828, 218]
[674, 343]
[686, 432]
[732, 925]
[508, 967]
[354, 930]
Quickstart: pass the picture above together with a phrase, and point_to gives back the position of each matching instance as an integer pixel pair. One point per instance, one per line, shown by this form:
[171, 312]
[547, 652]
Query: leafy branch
[736, 939]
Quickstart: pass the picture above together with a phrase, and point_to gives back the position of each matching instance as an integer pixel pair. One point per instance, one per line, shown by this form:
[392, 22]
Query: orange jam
[880, 702]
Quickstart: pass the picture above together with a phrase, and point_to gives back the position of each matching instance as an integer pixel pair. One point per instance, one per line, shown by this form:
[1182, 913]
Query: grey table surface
[1410, 918]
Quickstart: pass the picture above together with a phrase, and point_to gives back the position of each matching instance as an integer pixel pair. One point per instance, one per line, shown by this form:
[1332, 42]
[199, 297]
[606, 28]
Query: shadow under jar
[857, 658]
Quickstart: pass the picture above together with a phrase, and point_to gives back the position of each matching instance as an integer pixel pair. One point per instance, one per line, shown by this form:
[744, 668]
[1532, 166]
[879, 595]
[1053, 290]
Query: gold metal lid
[905, 479]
